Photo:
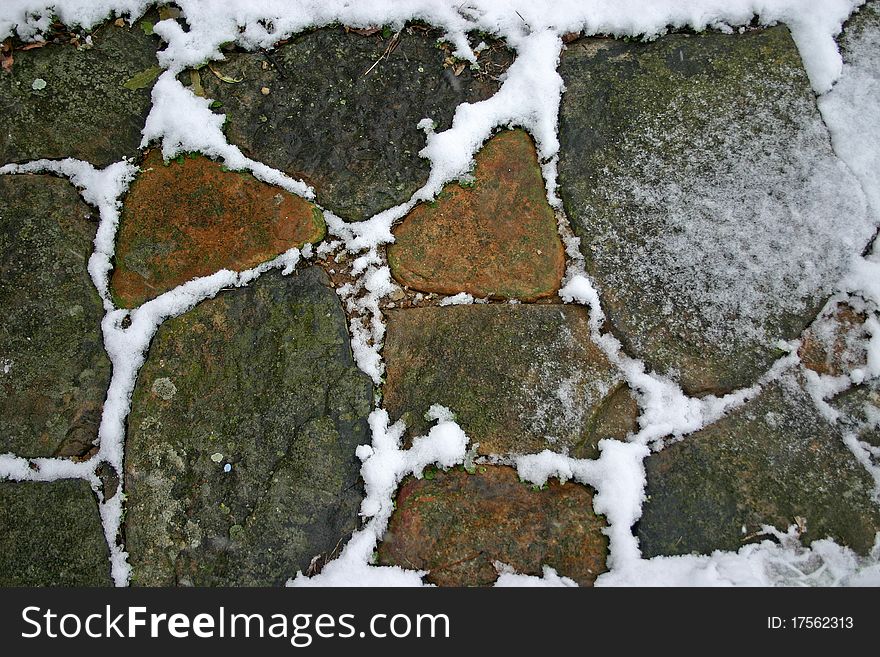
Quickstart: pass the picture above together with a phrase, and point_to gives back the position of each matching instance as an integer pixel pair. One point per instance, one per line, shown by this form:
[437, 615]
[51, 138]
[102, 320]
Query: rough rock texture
[768, 462]
[496, 238]
[456, 524]
[519, 378]
[260, 379]
[349, 133]
[94, 102]
[51, 535]
[860, 412]
[191, 218]
[859, 28]
[53, 369]
[835, 344]
[700, 178]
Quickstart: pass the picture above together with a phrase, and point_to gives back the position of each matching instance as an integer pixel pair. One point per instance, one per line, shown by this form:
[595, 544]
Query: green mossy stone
[261, 379]
[861, 25]
[51, 535]
[53, 370]
[94, 102]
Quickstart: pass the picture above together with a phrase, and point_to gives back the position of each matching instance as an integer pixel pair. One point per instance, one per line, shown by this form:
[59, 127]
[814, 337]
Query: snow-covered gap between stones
[529, 98]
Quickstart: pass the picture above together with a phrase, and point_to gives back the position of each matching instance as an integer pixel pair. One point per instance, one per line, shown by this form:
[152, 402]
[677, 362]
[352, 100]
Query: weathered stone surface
[519, 378]
[191, 218]
[51, 535]
[350, 133]
[860, 412]
[53, 369]
[497, 238]
[700, 178]
[835, 344]
[94, 102]
[260, 379]
[860, 29]
[768, 462]
[456, 524]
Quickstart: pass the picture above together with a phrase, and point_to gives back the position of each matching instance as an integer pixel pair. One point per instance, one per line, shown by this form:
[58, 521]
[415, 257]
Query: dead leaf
[143, 79]
[568, 37]
[32, 46]
[457, 70]
[224, 78]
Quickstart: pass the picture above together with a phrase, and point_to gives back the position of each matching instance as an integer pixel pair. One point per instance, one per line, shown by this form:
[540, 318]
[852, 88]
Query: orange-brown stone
[496, 238]
[456, 525]
[191, 218]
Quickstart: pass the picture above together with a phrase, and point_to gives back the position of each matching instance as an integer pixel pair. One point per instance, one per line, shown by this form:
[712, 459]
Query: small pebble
[227, 467]
[216, 457]
[38, 84]
[264, 91]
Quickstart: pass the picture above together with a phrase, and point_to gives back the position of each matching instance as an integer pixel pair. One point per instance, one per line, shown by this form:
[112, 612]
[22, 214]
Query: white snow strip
[619, 479]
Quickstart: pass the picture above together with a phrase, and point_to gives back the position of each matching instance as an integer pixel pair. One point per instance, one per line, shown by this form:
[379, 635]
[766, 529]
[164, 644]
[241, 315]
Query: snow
[102, 188]
[529, 97]
[619, 478]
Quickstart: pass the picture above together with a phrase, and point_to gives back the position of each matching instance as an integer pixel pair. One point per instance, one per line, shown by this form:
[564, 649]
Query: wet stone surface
[51, 535]
[53, 370]
[240, 462]
[89, 102]
[457, 524]
[191, 218]
[700, 178]
[519, 378]
[769, 462]
[496, 237]
[349, 133]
